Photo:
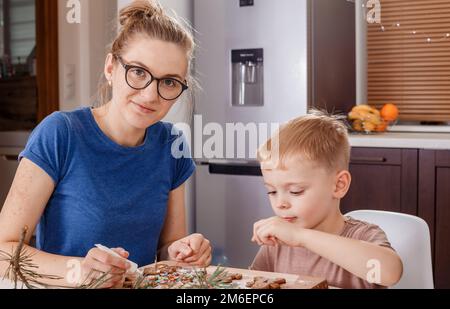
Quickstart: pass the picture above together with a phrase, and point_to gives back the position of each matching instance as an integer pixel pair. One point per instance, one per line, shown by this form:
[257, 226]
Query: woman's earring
[110, 83]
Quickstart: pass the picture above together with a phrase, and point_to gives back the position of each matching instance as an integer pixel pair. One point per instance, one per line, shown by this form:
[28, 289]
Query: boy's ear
[342, 184]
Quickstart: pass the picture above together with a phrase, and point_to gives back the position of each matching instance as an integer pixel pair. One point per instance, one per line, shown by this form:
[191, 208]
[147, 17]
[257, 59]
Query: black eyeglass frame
[128, 67]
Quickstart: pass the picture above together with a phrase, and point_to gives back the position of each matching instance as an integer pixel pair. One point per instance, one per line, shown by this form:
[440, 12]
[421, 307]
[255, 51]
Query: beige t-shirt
[301, 261]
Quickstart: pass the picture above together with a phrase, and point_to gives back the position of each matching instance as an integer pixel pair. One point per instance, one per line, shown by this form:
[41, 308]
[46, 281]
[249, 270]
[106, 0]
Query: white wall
[82, 50]
[69, 54]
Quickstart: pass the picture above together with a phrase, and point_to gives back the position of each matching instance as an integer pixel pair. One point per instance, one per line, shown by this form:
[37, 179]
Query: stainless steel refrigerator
[252, 67]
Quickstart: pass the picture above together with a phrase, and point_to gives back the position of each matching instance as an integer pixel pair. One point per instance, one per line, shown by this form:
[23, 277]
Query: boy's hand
[276, 231]
[193, 250]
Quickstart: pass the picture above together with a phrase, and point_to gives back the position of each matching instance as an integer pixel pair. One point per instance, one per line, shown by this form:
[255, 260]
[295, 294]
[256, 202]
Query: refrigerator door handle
[235, 168]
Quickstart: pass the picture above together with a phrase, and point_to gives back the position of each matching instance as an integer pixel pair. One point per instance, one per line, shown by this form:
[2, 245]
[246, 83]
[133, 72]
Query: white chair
[410, 237]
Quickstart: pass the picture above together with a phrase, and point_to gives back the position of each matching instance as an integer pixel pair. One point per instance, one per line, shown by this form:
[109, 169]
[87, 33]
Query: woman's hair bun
[139, 10]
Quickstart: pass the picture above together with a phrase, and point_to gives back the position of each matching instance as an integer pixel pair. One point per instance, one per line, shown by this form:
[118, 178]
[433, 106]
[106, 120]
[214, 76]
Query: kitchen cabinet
[383, 179]
[409, 181]
[434, 207]
[332, 55]
[18, 108]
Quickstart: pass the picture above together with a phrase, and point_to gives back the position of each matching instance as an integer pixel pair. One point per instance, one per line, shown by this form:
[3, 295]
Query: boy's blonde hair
[318, 137]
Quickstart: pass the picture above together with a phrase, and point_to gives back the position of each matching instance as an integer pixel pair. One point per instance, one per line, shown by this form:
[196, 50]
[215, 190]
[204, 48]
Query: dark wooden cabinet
[434, 207]
[18, 108]
[383, 179]
[332, 55]
[409, 181]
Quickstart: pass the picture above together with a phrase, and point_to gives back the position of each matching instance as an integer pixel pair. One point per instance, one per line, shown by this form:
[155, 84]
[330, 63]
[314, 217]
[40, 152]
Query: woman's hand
[193, 250]
[98, 262]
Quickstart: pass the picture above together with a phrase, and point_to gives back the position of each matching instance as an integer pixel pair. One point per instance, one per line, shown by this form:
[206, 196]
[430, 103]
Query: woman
[107, 175]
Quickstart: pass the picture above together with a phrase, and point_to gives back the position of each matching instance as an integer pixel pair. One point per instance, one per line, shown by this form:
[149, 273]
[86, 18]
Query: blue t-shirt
[105, 193]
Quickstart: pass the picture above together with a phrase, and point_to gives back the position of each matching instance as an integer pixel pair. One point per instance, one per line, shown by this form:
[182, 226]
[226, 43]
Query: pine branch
[21, 267]
[94, 283]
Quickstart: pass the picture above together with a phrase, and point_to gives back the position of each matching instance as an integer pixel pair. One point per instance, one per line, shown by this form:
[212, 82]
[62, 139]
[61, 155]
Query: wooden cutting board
[292, 281]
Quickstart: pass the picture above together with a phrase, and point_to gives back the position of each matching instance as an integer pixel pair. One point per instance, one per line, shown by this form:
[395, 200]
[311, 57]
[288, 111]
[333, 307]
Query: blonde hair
[149, 18]
[318, 137]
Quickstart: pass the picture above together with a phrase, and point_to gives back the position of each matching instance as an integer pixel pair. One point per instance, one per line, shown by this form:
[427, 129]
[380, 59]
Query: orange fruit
[389, 112]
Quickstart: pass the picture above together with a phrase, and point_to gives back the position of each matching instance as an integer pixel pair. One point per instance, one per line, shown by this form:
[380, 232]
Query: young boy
[305, 169]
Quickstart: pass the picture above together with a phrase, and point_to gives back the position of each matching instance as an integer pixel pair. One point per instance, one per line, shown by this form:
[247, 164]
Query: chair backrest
[410, 237]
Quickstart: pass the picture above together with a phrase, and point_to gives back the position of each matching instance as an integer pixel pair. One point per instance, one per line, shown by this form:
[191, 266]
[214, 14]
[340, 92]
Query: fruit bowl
[366, 119]
[367, 127]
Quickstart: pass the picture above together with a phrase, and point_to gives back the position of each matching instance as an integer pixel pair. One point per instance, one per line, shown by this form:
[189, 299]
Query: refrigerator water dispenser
[247, 77]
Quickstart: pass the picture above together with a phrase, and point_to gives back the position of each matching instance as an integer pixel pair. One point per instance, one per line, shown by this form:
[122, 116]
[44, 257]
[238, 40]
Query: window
[30, 35]
[409, 59]
[22, 29]
[17, 37]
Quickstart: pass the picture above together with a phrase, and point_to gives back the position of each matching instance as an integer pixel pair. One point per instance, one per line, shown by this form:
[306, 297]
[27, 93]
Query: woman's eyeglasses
[139, 78]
